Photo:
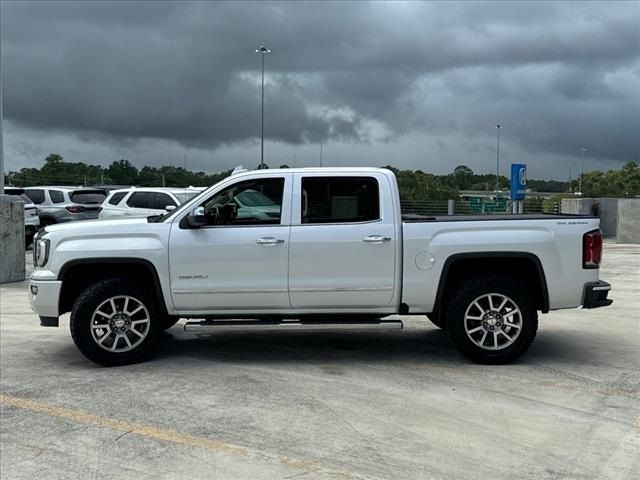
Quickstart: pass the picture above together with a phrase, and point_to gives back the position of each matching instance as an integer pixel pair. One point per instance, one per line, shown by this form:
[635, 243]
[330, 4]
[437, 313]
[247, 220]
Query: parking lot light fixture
[262, 51]
[498, 127]
[582, 150]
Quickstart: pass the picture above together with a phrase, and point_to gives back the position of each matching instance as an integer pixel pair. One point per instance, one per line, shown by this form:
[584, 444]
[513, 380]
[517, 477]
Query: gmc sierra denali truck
[328, 249]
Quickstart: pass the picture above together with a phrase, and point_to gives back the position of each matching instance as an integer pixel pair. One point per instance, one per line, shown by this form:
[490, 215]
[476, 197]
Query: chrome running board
[256, 325]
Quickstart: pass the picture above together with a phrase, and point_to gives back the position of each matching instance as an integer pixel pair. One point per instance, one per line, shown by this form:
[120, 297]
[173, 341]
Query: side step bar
[251, 325]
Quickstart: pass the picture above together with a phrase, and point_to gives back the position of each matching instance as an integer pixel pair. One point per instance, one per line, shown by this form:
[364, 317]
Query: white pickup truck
[335, 253]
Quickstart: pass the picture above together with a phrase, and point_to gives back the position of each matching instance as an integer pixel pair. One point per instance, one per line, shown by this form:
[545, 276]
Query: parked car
[66, 204]
[144, 202]
[338, 256]
[31, 220]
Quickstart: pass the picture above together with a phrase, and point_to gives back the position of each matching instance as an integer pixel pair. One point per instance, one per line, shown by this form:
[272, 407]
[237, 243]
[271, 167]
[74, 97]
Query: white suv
[144, 202]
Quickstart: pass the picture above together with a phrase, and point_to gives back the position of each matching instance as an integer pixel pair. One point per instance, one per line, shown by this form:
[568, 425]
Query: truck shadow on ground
[426, 346]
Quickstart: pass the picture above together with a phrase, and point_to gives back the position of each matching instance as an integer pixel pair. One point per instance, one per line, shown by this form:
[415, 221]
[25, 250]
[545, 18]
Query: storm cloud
[429, 78]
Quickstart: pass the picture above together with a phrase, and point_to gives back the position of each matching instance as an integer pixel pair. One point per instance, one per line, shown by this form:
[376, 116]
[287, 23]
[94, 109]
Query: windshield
[253, 198]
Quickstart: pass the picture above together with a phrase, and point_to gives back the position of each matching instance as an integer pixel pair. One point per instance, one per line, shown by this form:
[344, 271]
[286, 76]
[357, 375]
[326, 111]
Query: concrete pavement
[383, 405]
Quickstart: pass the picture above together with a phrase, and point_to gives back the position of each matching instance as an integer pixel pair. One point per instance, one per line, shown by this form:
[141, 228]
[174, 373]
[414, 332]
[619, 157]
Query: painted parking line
[128, 427]
[163, 434]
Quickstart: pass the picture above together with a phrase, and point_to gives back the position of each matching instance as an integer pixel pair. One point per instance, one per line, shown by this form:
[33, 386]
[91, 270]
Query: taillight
[74, 209]
[592, 249]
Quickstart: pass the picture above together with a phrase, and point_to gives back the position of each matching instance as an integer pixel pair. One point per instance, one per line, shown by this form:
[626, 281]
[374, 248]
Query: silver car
[66, 204]
[31, 221]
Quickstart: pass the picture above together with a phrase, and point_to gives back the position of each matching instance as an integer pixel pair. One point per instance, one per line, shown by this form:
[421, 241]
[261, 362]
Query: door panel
[344, 264]
[239, 262]
[226, 268]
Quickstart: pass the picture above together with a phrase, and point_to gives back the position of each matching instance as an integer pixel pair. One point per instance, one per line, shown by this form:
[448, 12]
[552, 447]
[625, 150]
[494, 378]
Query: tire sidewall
[82, 313]
[475, 288]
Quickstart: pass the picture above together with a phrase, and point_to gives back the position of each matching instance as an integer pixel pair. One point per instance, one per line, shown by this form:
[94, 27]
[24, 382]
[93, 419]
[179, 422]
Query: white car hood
[98, 226]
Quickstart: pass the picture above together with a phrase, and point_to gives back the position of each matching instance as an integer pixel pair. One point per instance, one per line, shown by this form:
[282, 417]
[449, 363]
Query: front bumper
[44, 296]
[595, 295]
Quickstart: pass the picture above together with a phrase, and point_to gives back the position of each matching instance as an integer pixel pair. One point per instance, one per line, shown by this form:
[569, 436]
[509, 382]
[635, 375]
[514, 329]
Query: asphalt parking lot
[383, 405]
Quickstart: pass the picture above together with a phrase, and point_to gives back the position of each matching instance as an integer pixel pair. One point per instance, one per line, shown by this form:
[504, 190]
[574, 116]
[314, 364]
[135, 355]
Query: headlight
[41, 252]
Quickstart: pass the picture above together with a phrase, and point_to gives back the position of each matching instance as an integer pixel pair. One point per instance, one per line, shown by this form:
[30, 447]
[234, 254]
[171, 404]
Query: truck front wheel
[114, 322]
[491, 320]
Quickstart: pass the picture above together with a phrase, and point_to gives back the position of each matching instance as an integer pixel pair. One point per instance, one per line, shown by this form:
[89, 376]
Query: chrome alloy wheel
[120, 324]
[493, 321]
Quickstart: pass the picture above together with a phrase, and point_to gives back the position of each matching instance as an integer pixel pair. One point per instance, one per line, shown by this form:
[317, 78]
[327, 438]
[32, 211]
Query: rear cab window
[340, 199]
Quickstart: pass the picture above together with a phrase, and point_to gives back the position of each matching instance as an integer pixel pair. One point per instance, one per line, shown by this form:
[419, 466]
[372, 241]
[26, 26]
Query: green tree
[463, 177]
[122, 172]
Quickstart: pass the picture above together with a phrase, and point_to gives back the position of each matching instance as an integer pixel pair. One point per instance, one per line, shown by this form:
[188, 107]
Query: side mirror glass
[196, 218]
[169, 208]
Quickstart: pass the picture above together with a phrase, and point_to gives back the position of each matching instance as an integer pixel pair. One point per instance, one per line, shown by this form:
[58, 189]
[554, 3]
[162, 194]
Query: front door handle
[269, 241]
[376, 239]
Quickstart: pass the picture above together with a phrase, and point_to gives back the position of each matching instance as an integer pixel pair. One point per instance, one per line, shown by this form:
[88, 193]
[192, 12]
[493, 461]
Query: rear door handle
[269, 241]
[376, 239]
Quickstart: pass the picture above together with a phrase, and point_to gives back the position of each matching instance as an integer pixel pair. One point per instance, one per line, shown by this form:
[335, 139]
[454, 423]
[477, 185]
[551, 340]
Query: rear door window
[56, 196]
[340, 199]
[36, 196]
[117, 197]
[88, 197]
[141, 200]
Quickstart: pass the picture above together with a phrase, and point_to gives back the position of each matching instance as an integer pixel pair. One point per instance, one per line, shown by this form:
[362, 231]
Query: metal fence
[476, 206]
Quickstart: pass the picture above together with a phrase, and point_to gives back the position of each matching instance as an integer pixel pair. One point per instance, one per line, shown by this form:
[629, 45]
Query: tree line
[415, 185]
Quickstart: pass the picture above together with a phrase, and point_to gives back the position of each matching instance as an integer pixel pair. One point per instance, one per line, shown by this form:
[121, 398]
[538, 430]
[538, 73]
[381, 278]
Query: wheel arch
[77, 275]
[524, 266]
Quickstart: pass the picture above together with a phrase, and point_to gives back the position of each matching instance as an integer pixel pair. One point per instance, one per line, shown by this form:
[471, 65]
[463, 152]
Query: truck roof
[319, 170]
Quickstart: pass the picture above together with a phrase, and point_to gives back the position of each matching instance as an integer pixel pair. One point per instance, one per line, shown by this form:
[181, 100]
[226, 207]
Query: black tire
[463, 299]
[28, 240]
[436, 319]
[83, 311]
[44, 221]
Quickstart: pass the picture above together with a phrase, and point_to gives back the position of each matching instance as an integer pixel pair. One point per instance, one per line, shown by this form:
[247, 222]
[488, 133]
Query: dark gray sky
[416, 85]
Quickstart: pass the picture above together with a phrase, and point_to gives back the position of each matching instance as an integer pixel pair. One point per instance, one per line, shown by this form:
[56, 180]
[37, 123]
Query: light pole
[498, 127]
[262, 51]
[1, 144]
[321, 153]
[582, 150]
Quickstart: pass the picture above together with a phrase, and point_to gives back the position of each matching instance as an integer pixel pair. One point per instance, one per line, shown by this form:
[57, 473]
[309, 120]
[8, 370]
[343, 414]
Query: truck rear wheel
[491, 319]
[114, 322]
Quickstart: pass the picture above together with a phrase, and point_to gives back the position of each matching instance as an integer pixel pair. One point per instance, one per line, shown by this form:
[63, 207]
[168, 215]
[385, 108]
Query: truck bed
[414, 218]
